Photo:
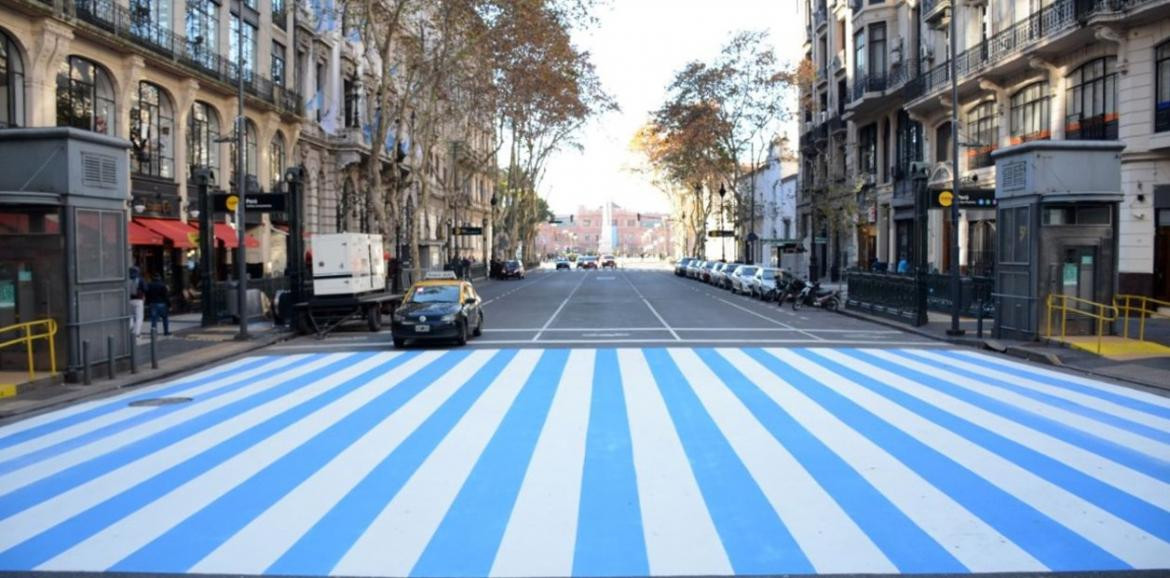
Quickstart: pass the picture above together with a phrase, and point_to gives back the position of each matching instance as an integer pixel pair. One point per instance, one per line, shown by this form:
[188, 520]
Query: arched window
[152, 132]
[1092, 101]
[85, 96]
[276, 160]
[1030, 113]
[11, 84]
[202, 132]
[983, 128]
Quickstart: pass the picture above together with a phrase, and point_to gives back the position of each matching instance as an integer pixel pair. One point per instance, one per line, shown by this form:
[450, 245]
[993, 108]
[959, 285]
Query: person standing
[137, 291]
[157, 300]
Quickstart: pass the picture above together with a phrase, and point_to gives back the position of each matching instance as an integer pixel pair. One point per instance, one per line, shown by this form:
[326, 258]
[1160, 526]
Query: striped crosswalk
[596, 462]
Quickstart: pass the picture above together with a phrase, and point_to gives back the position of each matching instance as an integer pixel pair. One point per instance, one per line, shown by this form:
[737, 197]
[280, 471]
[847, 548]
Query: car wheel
[461, 339]
[399, 343]
[479, 326]
[374, 319]
[796, 303]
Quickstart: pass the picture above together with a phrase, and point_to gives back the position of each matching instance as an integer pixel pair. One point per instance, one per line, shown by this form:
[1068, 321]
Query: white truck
[349, 282]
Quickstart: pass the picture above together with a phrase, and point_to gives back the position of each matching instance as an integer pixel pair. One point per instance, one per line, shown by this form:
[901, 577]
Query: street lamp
[722, 241]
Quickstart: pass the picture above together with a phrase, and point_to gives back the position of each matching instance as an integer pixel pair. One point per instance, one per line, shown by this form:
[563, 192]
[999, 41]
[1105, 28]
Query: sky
[637, 48]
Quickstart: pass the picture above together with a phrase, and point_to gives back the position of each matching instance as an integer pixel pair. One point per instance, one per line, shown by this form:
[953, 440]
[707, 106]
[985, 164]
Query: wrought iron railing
[869, 83]
[883, 294]
[974, 292]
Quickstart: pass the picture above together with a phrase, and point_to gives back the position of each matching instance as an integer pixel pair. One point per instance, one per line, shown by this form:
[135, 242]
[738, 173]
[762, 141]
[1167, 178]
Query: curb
[142, 377]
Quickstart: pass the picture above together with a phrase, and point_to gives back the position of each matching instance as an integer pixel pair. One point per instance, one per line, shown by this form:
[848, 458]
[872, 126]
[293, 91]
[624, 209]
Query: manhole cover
[156, 401]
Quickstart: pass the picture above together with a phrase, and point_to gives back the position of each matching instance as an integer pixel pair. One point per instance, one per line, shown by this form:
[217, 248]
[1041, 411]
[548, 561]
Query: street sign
[945, 198]
[231, 203]
[718, 233]
[261, 202]
[468, 231]
[966, 199]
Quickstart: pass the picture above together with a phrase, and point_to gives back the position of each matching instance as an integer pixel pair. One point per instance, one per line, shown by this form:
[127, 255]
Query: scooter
[791, 288]
[814, 296]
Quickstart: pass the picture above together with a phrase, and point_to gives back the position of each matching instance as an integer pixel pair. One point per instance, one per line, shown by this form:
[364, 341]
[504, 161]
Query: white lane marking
[127, 535]
[393, 542]
[559, 308]
[1102, 405]
[540, 537]
[17, 479]
[651, 307]
[509, 342]
[1129, 543]
[80, 429]
[515, 289]
[766, 318]
[680, 536]
[973, 542]
[1119, 476]
[268, 536]
[874, 332]
[821, 528]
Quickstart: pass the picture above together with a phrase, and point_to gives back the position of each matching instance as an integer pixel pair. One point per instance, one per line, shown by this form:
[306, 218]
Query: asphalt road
[631, 307]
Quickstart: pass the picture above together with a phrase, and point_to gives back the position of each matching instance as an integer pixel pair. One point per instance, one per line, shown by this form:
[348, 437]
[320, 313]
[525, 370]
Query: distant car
[724, 278]
[512, 270]
[680, 266]
[438, 309]
[739, 278]
[587, 262]
[695, 268]
[609, 262]
[763, 282]
[563, 264]
[705, 272]
[716, 276]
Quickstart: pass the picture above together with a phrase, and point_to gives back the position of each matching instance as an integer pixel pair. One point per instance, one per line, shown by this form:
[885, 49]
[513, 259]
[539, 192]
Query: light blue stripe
[65, 480]
[1072, 406]
[147, 415]
[65, 535]
[906, 545]
[1146, 464]
[189, 542]
[1127, 507]
[754, 537]
[319, 550]
[1052, 544]
[466, 541]
[120, 402]
[609, 522]
[1024, 371]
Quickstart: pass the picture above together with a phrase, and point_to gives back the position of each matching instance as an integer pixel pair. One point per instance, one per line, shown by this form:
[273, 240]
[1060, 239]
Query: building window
[1162, 81]
[278, 14]
[152, 133]
[203, 31]
[909, 142]
[249, 54]
[1092, 101]
[983, 128]
[202, 132]
[859, 59]
[877, 52]
[85, 97]
[250, 4]
[867, 149]
[942, 143]
[1030, 113]
[277, 63]
[352, 102]
[249, 150]
[11, 84]
[276, 160]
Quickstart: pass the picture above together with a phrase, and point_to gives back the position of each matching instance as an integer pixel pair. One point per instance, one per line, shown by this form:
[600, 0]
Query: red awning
[177, 232]
[139, 235]
[284, 229]
[229, 238]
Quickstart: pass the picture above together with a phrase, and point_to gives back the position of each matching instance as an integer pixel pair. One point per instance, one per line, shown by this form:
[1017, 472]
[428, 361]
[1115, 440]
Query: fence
[973, 291]
[892, 296]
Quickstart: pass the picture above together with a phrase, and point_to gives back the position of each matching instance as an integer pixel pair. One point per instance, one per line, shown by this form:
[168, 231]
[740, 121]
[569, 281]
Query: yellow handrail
[1143, 303]
[1101, 313]
[50, 331]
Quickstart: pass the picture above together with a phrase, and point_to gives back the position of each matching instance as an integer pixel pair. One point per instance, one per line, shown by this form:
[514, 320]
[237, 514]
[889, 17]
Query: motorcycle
[814, 296]
[790, 289]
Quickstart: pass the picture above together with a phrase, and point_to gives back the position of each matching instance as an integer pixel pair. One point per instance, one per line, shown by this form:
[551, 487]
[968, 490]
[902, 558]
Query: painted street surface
[596, 462]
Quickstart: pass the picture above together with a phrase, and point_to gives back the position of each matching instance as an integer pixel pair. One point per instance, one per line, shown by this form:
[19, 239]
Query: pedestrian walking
[466, 264]
[157, 300]
[136, 289]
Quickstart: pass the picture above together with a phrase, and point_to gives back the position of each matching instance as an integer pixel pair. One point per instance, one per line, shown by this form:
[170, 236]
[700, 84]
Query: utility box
[348, 264]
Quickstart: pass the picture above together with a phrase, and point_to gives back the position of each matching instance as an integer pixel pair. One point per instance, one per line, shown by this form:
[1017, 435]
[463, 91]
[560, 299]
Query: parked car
[563, 264]
[740, 278]
[705, 274]
[763, 283]
[725, 274]
[680, 266]
[694, 267]
[438, 309]
[609, 262]
[717, 273]
[587, 262]
[513, 269]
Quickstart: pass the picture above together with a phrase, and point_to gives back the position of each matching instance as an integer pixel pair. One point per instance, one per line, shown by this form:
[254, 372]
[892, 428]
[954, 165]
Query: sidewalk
[189, 347]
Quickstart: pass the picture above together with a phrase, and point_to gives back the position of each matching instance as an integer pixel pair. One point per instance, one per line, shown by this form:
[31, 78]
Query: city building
[629, 233]
[879, 99]
[767, 223]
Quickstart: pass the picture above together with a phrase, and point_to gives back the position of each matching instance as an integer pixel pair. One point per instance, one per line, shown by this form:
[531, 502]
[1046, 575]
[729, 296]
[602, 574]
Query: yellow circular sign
[945, 198]
[231, 203]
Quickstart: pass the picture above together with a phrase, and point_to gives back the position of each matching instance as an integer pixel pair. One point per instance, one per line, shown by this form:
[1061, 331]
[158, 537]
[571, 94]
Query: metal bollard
[85, 362]
[110, 356]
[153, 350]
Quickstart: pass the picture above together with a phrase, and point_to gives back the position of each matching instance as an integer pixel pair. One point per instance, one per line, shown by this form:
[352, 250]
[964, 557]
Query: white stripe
[1089, 401]
[969, 539]
[77, 499]
[267, 537]
[84, 428]
[1147, 488]
[130, 533]
[541, 534]
[34, 472]
[819, 525]
[680, 535]
[1120, 538]
[52, 416]
[394, 541]
[1098, 385]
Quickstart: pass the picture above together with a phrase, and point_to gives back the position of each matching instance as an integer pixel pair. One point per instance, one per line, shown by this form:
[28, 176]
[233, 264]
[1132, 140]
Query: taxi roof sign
[440, 275]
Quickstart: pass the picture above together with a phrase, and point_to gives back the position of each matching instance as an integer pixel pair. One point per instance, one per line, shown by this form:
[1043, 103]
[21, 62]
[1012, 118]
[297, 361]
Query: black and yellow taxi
[438, 307]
